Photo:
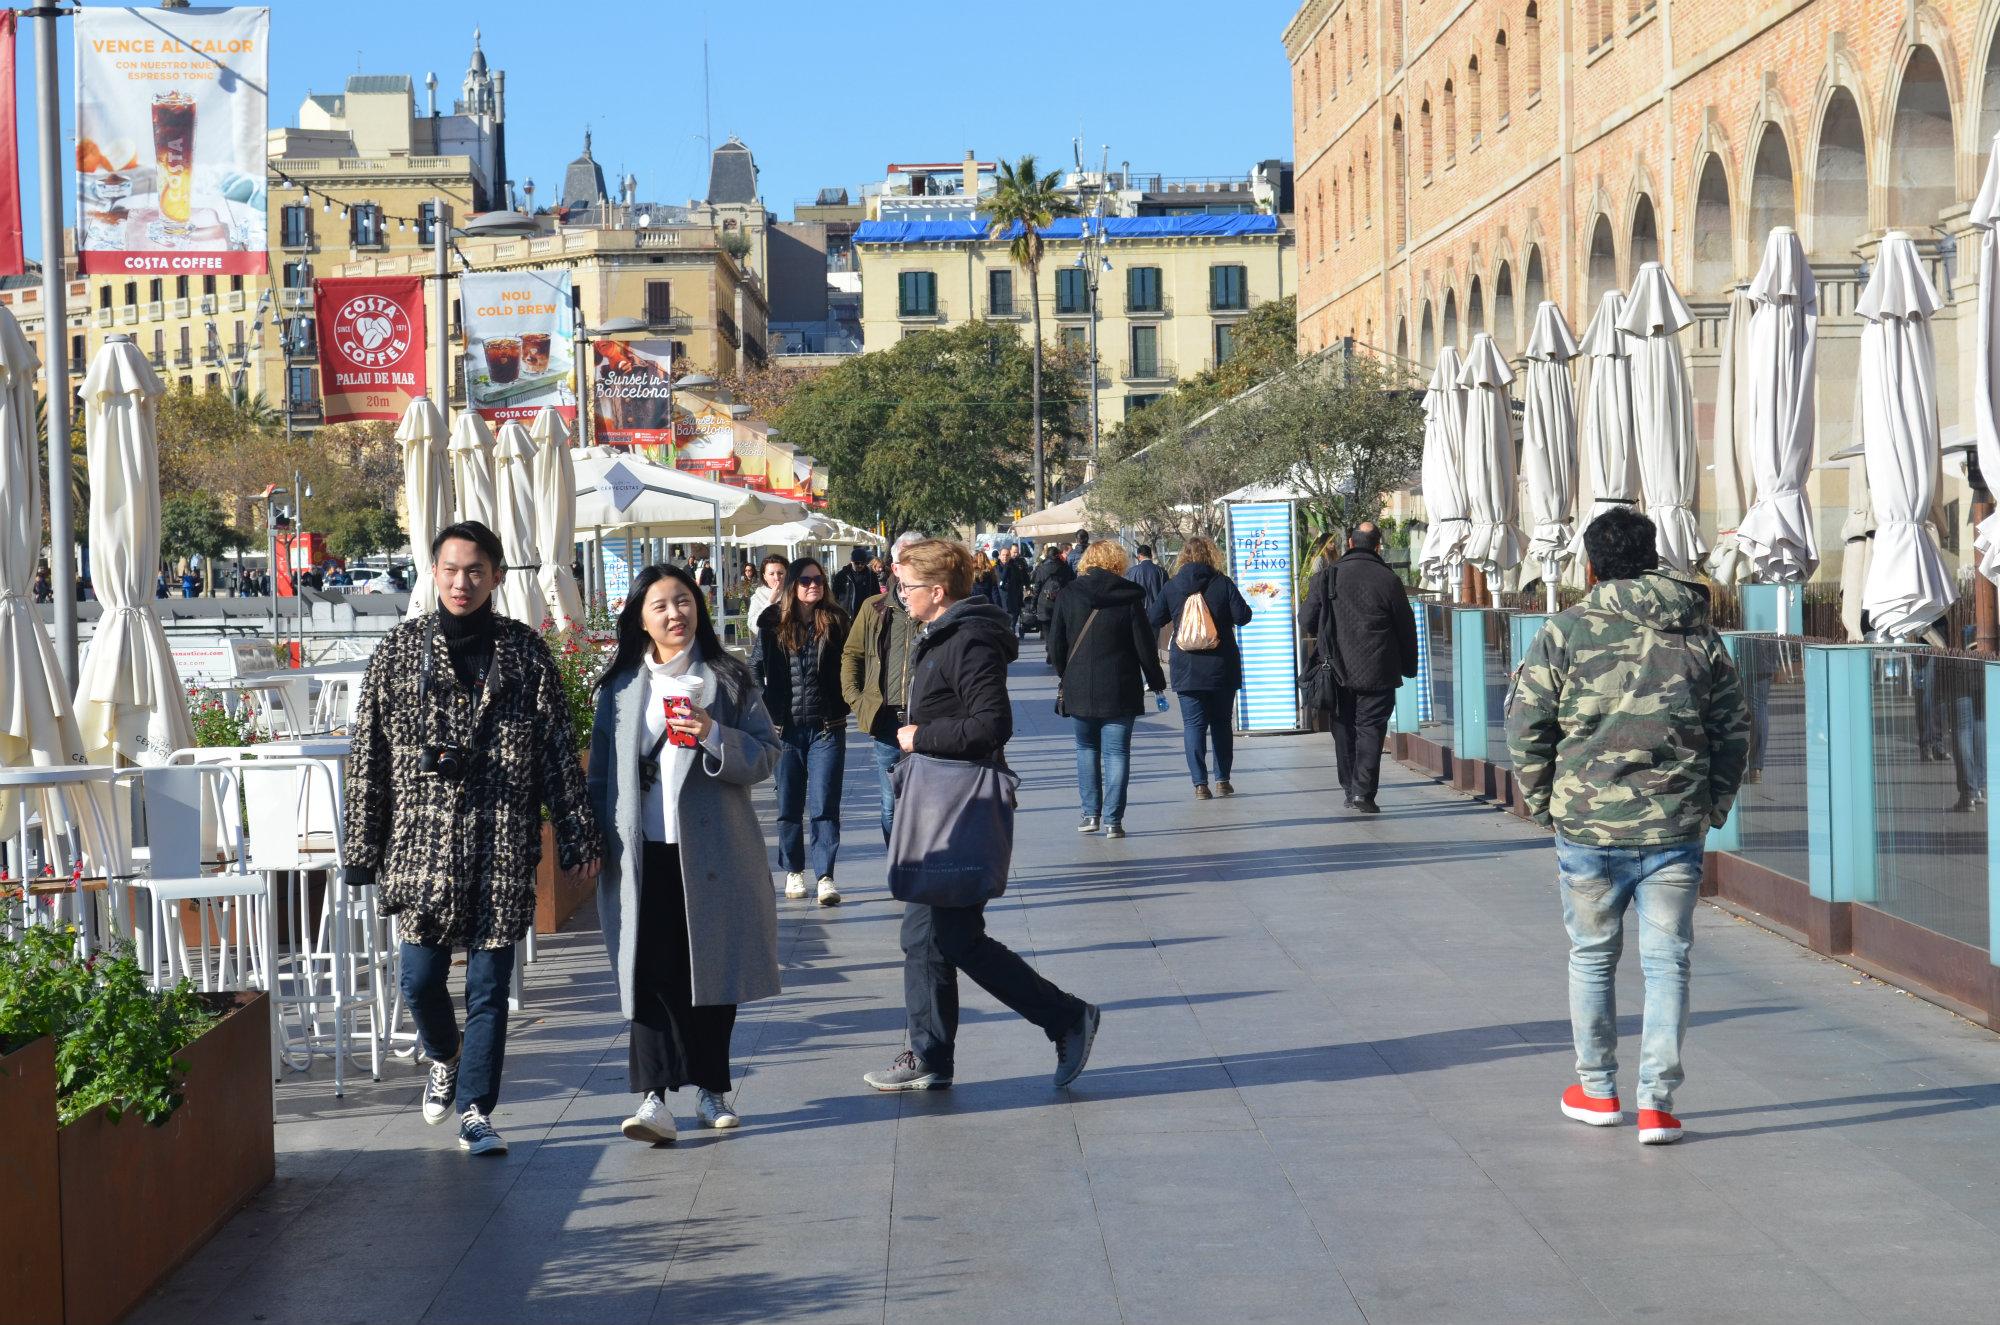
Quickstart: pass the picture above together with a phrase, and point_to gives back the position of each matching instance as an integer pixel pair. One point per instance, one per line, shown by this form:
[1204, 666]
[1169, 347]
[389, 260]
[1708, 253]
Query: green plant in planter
[214, 725]
[580, 653]
[115, 1036]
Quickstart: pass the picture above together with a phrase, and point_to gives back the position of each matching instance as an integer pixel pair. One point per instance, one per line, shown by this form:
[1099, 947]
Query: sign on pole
[519, 344]
[635, 395]
[171, 117]
[371, 345]
[11, 258]
[1262, 560]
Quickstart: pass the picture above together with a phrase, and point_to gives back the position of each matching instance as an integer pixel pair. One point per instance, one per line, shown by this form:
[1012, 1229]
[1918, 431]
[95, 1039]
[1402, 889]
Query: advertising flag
[371, 345]
[10, 161]
[635, 394]
[170, 130]
[709, 442]
[519, 344]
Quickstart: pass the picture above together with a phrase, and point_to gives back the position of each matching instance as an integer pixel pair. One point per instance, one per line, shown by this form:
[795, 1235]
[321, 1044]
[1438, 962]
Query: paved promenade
[1324, 1091]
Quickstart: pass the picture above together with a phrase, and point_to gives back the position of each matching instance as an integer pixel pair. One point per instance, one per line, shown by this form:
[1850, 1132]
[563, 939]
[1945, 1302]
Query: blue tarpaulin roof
[1068, 227]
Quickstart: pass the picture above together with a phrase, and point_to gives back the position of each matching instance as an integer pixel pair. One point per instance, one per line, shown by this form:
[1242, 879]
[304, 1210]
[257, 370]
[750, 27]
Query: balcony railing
[236, 301]
[292, 298]
[181, 308]
[1149, 370]
[104, 317]
[934, 312]
[1162, 306]
[183, 358]
[1012, 310]
[155, 311]
[669, 319]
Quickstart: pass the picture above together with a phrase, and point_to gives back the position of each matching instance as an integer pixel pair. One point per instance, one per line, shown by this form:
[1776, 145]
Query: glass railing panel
[1930, 783]
[1771, 807]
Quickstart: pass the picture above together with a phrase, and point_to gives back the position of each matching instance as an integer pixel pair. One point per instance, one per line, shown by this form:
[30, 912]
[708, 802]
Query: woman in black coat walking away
[959, 710]
[797, 662]
[1049, 578]
[1205, 679]
[1107, 655]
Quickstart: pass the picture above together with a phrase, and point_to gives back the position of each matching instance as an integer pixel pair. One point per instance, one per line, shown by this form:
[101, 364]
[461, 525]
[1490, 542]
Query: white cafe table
[86, 856]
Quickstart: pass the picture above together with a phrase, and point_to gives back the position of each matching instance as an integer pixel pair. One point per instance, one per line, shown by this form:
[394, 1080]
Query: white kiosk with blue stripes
[1263, 560]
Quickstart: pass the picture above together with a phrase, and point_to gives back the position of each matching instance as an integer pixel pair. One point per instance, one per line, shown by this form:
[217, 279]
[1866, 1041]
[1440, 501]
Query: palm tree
[1026, 202]
[256, 408]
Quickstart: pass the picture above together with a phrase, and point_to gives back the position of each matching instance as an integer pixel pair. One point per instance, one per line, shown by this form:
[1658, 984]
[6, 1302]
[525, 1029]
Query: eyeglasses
[911, 586]
[812, 581]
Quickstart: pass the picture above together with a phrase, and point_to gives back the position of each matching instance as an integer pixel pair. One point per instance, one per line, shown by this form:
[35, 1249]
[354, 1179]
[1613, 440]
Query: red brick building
[1460, 160]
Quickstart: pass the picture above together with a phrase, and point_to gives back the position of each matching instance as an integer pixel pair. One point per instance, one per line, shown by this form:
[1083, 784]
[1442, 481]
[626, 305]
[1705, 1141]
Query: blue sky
[825, 94]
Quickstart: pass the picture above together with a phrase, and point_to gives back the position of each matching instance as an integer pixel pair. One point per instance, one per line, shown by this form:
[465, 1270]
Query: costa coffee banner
[170, 129]
[371, 345]
[635, 395]
[10, 161]
[519, 349]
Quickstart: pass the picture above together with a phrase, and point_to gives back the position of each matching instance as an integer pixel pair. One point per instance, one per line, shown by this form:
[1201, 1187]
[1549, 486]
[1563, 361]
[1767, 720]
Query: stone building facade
[1458, 161]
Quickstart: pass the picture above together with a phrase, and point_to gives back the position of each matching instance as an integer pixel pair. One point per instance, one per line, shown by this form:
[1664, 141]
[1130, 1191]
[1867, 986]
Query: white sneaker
[714, 1111]
[828, 894]
[795, 884]
[651, 1122]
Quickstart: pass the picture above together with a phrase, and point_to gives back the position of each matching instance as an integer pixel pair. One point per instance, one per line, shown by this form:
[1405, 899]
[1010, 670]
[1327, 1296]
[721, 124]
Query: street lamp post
[55, 325]
[271, 494]
[1093, 263]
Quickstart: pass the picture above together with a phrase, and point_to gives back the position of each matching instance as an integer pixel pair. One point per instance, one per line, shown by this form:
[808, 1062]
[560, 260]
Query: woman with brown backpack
[1204, 664]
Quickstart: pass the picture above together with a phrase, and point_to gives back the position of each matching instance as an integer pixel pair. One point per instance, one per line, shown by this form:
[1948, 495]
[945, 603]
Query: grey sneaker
[908, 1072]
[440, 1090]
[1073, 1050]
[476, 1135]
[1088, 824]
[651, 1122]
[1114, 830]
[714, 1111]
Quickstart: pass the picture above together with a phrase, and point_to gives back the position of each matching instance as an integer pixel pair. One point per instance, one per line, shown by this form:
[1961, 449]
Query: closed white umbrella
[472, 472]
[1986, 366]
[129, 705]
[1735, 476]
[1909, 586]
[1777, 534]
[555, 516]
[37, 722]
[1492, 481]
[1445, 403]
[1609, 436]
[1548, 444]
[427, 499]
[1663, 413]
[520, 594]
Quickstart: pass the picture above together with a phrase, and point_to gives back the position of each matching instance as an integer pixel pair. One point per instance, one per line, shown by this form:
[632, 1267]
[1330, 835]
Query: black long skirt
[674, 1043]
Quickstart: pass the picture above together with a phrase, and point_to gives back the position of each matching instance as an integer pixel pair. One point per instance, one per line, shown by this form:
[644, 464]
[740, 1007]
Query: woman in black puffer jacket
[797, 662]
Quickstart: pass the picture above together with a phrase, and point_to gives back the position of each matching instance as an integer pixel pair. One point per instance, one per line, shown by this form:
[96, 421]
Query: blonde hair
[1198, 551]
[1104, 554]
[942, 562]
[981, 563]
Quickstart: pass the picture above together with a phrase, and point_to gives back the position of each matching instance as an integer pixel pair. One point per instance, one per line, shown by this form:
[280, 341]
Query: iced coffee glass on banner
[503, 359]
[173, 157]
[535, 351]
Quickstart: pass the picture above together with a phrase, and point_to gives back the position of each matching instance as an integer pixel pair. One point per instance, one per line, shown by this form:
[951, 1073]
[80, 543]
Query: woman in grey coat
[684, 896]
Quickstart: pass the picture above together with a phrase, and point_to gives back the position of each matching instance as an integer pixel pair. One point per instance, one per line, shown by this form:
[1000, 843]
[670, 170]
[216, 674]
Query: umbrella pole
[55, 359]
[1549, 587]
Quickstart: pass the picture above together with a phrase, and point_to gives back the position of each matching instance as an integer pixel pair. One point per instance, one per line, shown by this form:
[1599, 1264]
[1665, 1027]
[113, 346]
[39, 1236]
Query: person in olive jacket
[1205, 679]
[1359, 609]
[1104, 650]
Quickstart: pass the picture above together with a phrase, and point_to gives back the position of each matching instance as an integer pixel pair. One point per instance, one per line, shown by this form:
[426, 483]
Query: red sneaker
[1658, 1128]
[1591, 1110]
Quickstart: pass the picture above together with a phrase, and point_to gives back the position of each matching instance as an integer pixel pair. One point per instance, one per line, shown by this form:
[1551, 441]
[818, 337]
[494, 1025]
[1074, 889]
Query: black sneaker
[1073, 1050]
[1114, 830]
[476, 1135]
[1088, 824]
[908, 1072]
[1367, 805]
[440, 1090]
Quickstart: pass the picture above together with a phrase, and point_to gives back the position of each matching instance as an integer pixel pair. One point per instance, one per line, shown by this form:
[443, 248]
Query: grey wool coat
[732, 913]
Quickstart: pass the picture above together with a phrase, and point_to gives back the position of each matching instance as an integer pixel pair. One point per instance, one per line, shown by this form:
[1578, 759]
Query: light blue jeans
[1597, 885]
[1103, 766]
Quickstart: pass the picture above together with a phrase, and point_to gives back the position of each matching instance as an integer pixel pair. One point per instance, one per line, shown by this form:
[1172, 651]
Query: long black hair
[634, 642]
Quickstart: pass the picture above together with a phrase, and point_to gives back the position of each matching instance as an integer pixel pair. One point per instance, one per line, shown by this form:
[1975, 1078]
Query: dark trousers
[674, 1042]
[1207, 718]
[941, 941]
[1360, 721]
[482, 1050]
[808, 790]
[887, 755]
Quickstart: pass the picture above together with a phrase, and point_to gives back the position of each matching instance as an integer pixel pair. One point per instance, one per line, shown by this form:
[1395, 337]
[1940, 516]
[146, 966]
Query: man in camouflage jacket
[1628, 732]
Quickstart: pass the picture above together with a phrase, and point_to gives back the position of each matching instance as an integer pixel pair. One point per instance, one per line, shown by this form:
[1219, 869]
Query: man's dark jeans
[941, 941]
[1360, 721]
[483, 1049]
[887, 755]
[808, 792]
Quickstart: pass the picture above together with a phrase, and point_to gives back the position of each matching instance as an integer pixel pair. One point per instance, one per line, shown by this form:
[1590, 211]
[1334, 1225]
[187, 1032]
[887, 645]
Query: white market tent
[620, 493]
[1060, 520]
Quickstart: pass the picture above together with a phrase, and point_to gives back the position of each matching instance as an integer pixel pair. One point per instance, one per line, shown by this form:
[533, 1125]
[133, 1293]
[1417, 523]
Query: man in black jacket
[1359, 613]
[1013, 585]
[1050, 577]
[855, 584]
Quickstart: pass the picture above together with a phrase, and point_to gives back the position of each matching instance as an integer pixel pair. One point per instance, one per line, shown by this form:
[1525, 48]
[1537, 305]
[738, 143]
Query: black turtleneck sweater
[469, 641]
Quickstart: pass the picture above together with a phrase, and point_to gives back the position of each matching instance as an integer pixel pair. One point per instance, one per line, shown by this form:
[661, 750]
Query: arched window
[1840, 178]
[1402, 342]
[1472, 100]
[1332, 64]
[1645, 233]
[1427, 338]
[1771, 185]
[1399, 153]
[1603, 270]
[1920, 145]
[1319, 219]
[1500, 88]
[1299, 103]
[1505, 319]
[1347, 39]
[1367, 189]
[1531, 50]
[1424, 136]
[1535, 286]
[1714, 231]
[1350, 202]
[1316, 82]
[1475, 309]
[1450, 327]
[1336, 211]
[1364, 36]
[1450, 123]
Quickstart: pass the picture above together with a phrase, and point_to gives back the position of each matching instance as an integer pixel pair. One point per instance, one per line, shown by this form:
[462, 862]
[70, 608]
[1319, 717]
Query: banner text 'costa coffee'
[371, 345]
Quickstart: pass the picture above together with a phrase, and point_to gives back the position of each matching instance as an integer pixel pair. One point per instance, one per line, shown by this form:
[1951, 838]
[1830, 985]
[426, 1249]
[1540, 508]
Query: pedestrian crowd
[1627, 727]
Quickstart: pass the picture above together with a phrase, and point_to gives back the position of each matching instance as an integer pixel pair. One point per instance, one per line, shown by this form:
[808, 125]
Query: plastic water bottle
[1160, 703]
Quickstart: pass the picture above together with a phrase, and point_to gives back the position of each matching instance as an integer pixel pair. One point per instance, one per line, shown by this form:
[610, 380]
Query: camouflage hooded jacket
[1627, 724]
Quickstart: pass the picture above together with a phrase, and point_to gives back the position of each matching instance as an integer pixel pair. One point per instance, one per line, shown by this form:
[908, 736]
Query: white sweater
[666, 679]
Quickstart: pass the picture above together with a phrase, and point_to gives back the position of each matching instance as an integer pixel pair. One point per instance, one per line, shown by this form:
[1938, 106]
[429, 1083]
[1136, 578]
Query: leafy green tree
[1167, 489]
[1026, 198]
[932, 432]
[363, 531]
[1343, 430]
[192, 526]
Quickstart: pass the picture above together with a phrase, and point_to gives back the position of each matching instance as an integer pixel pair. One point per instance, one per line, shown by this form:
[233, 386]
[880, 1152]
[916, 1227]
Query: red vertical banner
[11, 263]
[371, 345]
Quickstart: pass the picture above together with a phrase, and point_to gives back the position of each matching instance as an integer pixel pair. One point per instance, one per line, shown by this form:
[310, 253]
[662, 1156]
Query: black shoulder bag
[1061, 710]
[1328, 674]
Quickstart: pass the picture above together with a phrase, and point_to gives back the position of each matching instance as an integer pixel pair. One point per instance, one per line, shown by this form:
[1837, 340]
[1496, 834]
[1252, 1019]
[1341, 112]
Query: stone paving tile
[1325, 1091]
